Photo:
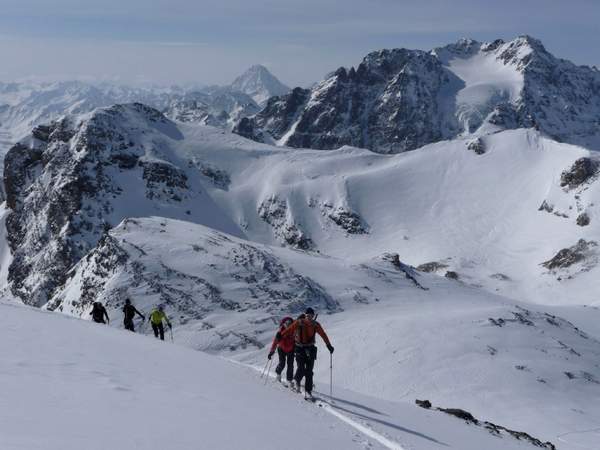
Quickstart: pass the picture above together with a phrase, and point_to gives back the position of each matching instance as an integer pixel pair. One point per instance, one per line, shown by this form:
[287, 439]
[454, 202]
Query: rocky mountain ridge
[398, 100]
[24, 105]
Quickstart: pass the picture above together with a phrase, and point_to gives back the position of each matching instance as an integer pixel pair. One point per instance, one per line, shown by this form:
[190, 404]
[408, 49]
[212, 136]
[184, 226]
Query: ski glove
[278, 336]
[270, 355]
[330, 348]
[170, 326]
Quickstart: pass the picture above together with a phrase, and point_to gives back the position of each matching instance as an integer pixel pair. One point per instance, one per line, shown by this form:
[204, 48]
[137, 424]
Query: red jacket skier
[285, 350]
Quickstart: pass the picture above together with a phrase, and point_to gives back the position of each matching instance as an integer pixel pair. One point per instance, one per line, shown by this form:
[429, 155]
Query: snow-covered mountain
[260, 84]
[231, 234]
[464, 272]
[513, 212]
[398, 100]
[25, 105]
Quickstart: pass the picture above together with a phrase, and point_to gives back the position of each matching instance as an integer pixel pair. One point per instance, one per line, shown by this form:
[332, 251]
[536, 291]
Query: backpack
[303, 336]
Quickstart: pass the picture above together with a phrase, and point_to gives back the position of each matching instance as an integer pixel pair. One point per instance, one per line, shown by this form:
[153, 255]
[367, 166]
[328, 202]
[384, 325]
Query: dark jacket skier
[130, 311]
[98, 313]
[304, 330]
[156, 319]
[285, 351]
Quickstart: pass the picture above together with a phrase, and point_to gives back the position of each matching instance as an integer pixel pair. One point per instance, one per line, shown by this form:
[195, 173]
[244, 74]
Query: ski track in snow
[584, 445]
[329, 408]
[362, 428]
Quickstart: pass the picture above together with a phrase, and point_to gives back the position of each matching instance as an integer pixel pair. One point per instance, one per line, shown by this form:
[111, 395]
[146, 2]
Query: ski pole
[262, 374]
[331, 376]
[171, 332]
[268, 371]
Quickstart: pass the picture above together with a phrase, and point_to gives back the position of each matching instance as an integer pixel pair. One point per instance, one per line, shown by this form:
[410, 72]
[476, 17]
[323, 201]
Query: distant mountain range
[25, 105]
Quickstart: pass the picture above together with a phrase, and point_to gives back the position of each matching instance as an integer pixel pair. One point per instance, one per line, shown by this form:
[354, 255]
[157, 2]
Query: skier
[285, 351]
[304, 329]
[156, 319]
[98, 313]
[130, 311]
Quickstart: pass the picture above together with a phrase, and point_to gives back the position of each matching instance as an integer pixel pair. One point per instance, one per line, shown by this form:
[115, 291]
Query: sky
[211, 42]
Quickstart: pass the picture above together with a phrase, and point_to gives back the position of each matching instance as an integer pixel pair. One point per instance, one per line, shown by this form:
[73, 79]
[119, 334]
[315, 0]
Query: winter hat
[309, 310]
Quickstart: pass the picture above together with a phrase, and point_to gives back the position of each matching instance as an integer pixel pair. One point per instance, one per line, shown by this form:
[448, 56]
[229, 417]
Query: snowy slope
[396, 338]
[134, 392]
[478, 215]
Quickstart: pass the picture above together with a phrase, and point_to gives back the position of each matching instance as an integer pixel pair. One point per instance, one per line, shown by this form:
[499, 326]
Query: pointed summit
[259, 83]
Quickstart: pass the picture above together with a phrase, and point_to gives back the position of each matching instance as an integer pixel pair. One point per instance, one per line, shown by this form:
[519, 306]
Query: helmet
[161, 307]
[310, 311]
[127, 301]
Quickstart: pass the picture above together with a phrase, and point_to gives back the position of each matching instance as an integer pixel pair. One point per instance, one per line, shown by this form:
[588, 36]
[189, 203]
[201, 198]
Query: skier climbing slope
[56, 395]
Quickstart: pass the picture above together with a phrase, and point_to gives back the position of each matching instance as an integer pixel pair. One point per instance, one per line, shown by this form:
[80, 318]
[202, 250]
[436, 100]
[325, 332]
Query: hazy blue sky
[178, 41]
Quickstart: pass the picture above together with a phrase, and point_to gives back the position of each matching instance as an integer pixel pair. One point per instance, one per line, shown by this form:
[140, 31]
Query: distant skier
[156, 319]
[285, 351]
[130, 311]
[98, 313]
[304, 329]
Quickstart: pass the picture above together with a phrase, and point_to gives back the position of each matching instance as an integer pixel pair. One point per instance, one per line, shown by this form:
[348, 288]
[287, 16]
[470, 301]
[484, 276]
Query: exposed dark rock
[452, 275]
[572, 255]
[477, 146]
[520, 435]
[156, 172]
[423, 403]
[433, 266]
[491, 427]
[409, 271]
[545, 206]
[348, 220]
[274, 212]
[583, 219]
[218, 177]
[580, 172]
[460, 413]
[42, 132]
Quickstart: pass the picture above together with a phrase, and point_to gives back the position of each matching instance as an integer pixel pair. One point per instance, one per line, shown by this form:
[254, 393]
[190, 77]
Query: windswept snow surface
[69, 384]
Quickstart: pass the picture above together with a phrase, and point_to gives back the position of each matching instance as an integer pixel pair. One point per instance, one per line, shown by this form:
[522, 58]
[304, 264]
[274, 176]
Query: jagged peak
[259, 83]
[390, 61]
[530, 41]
